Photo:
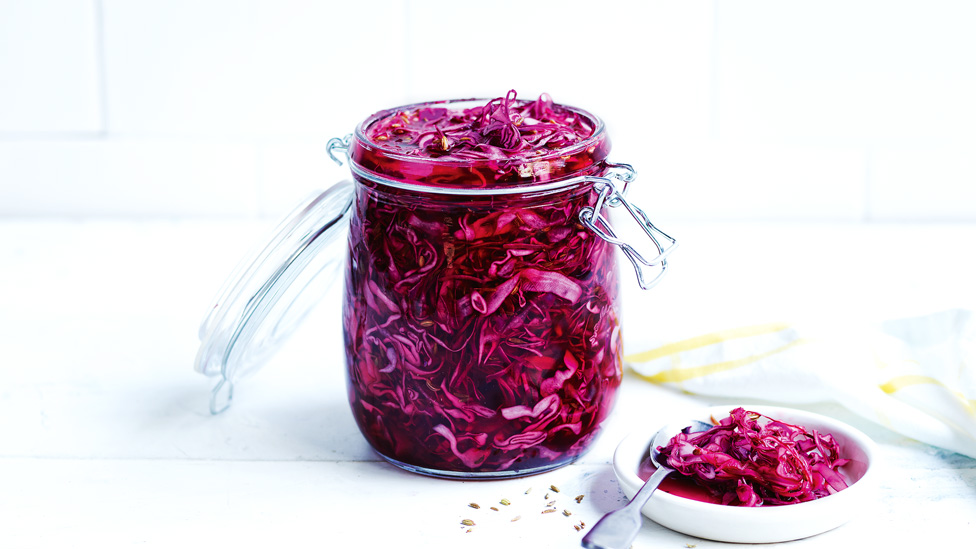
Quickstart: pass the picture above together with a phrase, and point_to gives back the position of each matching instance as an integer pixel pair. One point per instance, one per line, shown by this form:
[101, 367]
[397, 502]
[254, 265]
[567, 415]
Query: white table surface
[106, 438]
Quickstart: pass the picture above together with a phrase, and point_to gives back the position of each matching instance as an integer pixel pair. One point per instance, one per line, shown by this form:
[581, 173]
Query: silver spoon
[617, 529]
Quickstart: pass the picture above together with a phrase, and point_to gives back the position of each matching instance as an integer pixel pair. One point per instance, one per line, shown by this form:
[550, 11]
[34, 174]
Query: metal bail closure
[339, 145]
[610, 195]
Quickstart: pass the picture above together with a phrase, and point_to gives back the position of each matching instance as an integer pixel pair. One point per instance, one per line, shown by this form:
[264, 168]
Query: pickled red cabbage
[749, 459]
[506, 142]
[503, 128]
[481, 332]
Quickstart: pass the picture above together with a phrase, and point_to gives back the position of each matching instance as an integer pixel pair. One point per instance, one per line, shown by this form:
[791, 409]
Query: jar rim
[599, 129]
[382, 163]
[538, 187]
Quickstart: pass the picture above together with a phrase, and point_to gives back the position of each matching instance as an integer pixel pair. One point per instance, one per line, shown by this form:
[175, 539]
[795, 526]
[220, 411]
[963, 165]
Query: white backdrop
[750, 110]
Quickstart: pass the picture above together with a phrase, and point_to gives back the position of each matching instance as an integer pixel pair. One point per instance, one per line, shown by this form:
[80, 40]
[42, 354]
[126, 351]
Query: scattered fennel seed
[550, 510]
[467, 522]
[505, 501]
[553, 488]
[579, 498]
[474, 506]
[566, 512]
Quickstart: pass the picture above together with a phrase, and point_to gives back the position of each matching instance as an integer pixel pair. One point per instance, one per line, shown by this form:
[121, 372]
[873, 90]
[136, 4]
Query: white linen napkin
[916, 376]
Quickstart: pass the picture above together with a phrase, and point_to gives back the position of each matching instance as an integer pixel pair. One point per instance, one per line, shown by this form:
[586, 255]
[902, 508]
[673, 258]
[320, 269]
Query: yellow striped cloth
[916, 376]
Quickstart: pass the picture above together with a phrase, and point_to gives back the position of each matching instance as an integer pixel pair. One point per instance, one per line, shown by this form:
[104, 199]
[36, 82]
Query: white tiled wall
[735, 110]
[50, 72]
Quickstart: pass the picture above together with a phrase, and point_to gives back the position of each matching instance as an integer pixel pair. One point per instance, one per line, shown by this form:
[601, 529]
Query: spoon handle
[617, 529]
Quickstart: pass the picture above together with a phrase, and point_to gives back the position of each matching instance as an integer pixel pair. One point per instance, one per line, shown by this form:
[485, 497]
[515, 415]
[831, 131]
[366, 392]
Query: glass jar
[481, 316]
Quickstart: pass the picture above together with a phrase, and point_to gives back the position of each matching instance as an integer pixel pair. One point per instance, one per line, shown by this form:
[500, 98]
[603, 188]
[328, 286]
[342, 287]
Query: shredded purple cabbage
[481, 332]
[749, 459]
[505, 142]
[503, 128]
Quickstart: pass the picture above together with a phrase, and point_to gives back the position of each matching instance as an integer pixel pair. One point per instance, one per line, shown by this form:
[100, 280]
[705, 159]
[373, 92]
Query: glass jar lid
[272, 289]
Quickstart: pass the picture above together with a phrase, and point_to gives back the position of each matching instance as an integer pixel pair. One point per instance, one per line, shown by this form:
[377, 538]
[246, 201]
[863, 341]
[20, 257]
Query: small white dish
[756, 524]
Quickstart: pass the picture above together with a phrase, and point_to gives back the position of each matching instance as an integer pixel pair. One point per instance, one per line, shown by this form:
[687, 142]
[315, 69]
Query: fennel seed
[516, 518]
[549, 511]
[554, 489]
[493, 508]
[505, 501]
[566, 512]
[467, 522]
[474, 506]
[579, 498]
